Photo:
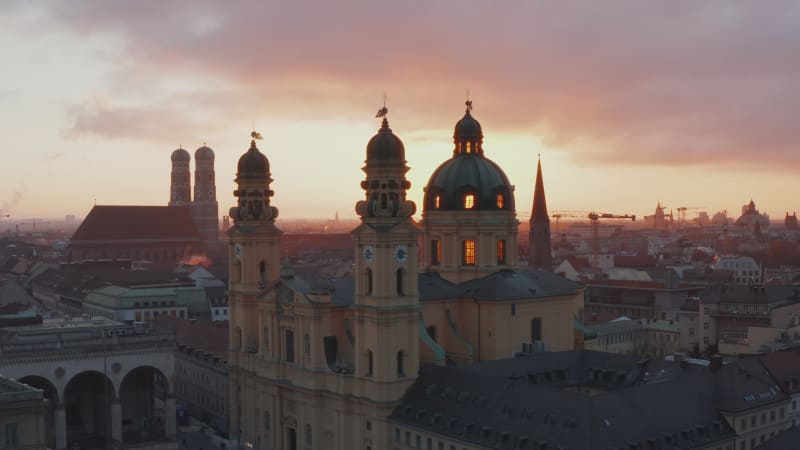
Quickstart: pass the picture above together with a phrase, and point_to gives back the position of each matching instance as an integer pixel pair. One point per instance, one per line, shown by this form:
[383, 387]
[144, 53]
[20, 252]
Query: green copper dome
[468, 181]
[468, 175]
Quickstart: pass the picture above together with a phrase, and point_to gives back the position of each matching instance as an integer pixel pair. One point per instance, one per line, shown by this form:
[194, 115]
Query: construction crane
[594, 218]
[682, 213]
[558, 215]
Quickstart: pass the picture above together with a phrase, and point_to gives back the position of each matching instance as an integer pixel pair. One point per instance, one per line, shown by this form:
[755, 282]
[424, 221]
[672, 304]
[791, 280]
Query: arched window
[369, 363]
[369, 281]
[399, 281]
[437, 201]
[262, 273]
[469, 147]
[470, 201]
[501, 201]
[400, 369]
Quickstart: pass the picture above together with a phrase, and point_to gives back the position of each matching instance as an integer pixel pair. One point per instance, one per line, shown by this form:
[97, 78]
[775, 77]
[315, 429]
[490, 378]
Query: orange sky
[629, 102]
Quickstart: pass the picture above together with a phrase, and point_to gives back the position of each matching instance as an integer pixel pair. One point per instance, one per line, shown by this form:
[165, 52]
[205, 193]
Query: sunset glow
[628, 103]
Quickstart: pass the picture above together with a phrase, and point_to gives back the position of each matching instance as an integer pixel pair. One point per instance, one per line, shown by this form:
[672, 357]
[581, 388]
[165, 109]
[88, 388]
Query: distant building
[659, 220]
[161, 235]
[641, 337]
[23, 416]
[751, 219]
[745, 269]
[790, 222]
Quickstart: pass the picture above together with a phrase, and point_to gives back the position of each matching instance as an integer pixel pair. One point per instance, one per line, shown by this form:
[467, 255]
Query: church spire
[539, 235]
[539, 210]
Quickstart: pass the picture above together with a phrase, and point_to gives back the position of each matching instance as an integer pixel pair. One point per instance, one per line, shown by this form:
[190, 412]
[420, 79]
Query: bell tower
[387, 309]
[204, 206]
[180, 193]
[254, 246]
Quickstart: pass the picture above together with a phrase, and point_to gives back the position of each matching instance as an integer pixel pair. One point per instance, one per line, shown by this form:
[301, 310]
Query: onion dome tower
[387, 314]
[254, 251]
[468, 216]
[204, 206]
[181, 180]
[539, 236]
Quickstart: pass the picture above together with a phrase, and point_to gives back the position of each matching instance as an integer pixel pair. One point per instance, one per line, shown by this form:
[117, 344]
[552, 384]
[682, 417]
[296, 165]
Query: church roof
[504, 285]
[121, 223]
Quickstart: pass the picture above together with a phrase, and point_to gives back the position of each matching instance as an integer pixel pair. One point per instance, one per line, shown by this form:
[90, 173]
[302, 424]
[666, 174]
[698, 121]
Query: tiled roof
[114, 223]
[552, 398]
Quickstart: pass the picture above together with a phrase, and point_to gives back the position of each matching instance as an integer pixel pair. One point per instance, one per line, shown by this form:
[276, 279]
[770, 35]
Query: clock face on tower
[368, 253]
[401, 254]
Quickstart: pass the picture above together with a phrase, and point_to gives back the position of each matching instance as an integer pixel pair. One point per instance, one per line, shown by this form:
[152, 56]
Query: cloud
[623, 82]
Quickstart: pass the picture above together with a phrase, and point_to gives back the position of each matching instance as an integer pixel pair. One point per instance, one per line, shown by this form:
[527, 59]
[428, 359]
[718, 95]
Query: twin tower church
[326, 369]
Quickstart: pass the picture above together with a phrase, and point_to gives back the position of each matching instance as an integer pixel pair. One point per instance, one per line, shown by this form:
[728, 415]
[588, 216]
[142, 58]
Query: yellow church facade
[324, 368]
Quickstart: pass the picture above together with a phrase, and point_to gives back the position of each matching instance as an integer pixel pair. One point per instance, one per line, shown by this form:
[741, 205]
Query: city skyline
[694, 112]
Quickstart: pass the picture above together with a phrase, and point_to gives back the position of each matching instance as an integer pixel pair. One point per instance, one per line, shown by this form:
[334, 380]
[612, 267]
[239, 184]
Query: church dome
[181, 155]
[468, 181]
[253, 164]
[204, 153]
[385, 148]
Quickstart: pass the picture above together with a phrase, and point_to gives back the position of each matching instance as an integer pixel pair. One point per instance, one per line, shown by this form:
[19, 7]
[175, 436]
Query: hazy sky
[629, 102]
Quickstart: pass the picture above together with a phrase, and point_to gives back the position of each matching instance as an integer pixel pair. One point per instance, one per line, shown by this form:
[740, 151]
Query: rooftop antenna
[383, 111]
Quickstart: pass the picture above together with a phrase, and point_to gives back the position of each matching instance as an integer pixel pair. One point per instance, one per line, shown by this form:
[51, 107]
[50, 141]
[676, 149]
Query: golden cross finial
[468, 102]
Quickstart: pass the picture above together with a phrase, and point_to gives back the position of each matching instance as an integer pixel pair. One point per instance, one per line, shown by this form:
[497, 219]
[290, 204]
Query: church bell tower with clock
[387, 309]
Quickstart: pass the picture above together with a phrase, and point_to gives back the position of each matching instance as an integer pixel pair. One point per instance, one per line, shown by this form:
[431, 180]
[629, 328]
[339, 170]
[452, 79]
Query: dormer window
[437, 201]
[469, 201]
[501, 201]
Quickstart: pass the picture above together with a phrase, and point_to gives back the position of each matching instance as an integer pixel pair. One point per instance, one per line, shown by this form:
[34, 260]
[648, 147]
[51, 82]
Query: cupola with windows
[468, 181]
[468, 216]
[253, 193]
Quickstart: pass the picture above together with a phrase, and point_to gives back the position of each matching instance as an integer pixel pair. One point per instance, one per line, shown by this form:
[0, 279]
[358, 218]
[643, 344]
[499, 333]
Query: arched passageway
[87, 401]
[143, 396]
[51, 394]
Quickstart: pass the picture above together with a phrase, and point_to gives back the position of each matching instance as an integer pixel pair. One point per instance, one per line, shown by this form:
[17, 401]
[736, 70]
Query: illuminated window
[501, 201]
[436, 252]
[437, 201]
[468, 252]
[501, 251]
[469, 201]
[469, 147]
